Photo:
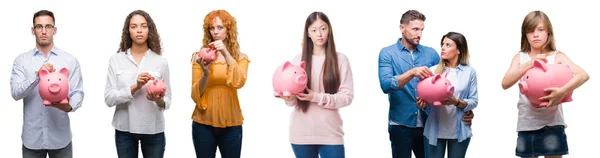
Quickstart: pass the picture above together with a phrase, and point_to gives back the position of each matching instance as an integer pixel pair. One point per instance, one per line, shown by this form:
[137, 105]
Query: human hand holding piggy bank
[435, 89]
[543, 76]
[54, 86]
[156, 87]
[208, 55]
[289, 79]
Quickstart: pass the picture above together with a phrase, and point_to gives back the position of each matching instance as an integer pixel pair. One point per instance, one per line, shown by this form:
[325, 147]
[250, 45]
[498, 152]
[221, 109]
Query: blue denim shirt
[465, 90]
[394, 60]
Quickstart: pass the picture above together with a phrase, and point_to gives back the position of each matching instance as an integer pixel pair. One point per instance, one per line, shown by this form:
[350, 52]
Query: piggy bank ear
[540, 64]
[286, 65]
[43, 72]
[162, 80]
[303, 64]
[435, 78]
[64, 71]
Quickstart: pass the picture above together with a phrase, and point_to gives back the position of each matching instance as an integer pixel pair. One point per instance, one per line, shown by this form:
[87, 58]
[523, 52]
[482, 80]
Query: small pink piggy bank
[207, 55]
[289, 79]
[543, 76]
[54, 86]
[158, 87]
[435, 89]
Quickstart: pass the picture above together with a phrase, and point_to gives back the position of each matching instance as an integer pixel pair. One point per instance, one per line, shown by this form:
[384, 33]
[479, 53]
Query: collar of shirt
[402, 47]
[52, 51]
[130, 57]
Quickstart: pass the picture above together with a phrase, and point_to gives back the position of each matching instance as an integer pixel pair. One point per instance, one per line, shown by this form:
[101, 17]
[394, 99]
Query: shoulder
[389, 48]
[517, 56]
[343, 60]
[162, 59]
[67, 56]
[25, 55]
[469, 69]
[342, 57]
[242, 56]
[116, 56]
[560, 54]
[427, 49]
[429, 53]
[64, 53]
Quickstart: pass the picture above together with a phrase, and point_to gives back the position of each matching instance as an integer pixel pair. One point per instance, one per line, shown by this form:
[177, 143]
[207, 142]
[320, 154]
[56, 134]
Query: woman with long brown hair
[444, 128]
[316, 124]
[217, 117]
[138, 117]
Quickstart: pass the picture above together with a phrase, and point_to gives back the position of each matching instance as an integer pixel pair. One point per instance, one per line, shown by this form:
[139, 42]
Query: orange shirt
[219, 106]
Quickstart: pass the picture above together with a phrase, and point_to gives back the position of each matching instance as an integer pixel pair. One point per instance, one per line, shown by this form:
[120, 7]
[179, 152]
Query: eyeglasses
[39, 27]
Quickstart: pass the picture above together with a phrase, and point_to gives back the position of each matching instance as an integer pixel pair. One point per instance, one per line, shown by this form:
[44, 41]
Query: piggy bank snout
[450, 89]
[301, 79]
[54, 88]
[523, 87]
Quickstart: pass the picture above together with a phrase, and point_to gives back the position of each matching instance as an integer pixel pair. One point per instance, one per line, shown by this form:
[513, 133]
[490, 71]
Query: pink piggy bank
[207, 54]
[54, 86]
[158, 87]
[289, 79]
[543, 76]
[435, 89]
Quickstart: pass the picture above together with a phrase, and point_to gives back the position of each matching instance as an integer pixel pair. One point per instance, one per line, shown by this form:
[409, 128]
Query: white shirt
[135, 113]
[531, 118]
[447, 113]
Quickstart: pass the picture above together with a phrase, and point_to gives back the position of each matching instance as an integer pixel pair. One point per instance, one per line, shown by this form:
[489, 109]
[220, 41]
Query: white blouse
[135, 113]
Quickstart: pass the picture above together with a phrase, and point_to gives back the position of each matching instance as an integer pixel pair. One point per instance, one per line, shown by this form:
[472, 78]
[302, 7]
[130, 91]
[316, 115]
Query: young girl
[138, 117]
[316, 125]
[541, 131]
[444, 126]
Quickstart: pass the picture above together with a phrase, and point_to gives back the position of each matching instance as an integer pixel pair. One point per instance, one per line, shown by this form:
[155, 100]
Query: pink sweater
[322, 124]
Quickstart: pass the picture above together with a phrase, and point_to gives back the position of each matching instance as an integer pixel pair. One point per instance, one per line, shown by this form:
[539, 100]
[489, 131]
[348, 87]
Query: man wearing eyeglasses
[46, 128]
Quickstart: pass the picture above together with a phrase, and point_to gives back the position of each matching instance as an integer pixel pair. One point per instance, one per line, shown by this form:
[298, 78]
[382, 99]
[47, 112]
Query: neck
[452, 63]
[138, 49]
[408, 46]
[536, 51]
[318, 50]
[45, 49]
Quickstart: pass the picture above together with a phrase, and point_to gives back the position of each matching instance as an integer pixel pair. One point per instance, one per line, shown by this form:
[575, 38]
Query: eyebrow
[324, 25]
[136, 23]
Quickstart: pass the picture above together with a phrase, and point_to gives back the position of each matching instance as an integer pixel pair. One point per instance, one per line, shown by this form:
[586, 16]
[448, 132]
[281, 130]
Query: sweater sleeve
[345, 93]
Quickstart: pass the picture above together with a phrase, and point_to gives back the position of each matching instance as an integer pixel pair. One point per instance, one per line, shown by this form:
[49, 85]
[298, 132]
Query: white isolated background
[270, 32]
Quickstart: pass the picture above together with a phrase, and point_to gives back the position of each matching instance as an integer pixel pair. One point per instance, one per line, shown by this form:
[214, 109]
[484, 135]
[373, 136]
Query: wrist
[134, 88]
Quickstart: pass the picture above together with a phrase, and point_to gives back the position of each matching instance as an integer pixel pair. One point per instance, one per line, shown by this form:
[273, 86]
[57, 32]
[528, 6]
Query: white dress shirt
[135, 113]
